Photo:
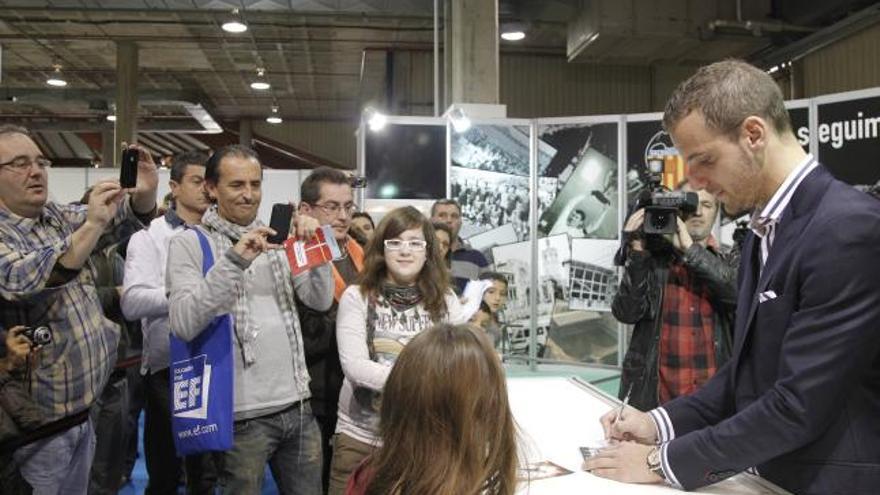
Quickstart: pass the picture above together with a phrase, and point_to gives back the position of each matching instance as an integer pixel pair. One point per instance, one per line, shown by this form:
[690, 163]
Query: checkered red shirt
[687, 345]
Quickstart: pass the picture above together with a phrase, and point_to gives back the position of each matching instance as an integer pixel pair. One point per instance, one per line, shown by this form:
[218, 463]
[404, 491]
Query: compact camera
[38, 335]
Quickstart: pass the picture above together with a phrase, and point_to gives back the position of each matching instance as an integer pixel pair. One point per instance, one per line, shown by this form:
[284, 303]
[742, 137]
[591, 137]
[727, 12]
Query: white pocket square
[766, 296]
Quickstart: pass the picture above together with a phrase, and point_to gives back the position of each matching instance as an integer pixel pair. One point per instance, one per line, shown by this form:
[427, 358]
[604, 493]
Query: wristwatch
[653, 460]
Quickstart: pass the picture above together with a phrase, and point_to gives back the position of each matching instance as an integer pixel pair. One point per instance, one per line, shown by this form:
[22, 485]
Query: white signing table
[556, 416]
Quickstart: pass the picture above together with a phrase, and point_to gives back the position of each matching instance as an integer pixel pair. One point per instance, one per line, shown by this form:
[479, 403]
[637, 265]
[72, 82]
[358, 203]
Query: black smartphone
[129, 168]
[282, 213]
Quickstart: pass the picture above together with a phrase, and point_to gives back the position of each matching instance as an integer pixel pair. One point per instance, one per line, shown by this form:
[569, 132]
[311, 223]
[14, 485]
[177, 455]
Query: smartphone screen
[128, 169]
[282, 213]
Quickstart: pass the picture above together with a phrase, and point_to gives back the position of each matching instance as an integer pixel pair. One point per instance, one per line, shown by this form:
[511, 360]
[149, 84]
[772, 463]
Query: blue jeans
[289, 441]
[59, 464]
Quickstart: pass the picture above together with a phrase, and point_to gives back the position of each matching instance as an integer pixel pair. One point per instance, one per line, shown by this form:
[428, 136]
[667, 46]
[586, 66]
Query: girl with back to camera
[446, 425]
[403, 289]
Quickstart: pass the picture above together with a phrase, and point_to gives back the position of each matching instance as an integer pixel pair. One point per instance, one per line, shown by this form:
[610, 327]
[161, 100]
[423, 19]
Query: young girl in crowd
[403, 290]
[493, 301]
[446, 425]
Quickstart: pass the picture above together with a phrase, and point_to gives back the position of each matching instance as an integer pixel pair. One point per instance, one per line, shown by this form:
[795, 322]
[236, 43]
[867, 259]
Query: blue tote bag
[202, 374]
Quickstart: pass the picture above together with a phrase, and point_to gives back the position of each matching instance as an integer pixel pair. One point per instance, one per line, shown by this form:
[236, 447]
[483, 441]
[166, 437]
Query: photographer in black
[18, 414]
[679, 291]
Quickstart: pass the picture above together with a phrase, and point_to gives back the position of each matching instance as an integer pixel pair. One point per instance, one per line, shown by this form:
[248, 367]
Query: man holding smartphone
[44, 247]
[251, 279]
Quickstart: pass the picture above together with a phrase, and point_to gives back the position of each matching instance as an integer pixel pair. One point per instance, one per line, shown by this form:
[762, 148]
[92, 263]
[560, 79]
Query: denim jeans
[59, 464]
[289, 441]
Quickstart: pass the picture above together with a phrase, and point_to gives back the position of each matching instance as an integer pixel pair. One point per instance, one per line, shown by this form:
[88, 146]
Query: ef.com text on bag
[197, 430]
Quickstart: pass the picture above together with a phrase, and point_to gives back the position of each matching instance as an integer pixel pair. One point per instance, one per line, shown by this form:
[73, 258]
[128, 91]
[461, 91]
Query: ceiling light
[111, 118]
[56, 79]
[274, 118]
[261, 84]
[513, 35]
[375, 119]
[460, 121]
[234, 25]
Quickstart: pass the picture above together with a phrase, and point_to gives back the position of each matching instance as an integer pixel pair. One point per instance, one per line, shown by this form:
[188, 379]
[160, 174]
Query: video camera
[661, 205]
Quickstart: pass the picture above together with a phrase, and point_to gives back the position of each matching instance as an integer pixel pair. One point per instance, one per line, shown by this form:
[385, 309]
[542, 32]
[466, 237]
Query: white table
[558, 415]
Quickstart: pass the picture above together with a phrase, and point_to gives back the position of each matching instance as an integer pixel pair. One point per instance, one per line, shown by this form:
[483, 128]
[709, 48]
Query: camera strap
[45, 431]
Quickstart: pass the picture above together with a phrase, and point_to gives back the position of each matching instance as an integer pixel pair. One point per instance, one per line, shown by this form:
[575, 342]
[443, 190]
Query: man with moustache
[680, 296]
[327, 196]
[800, 397]
[144, 298]
[252, 280]
[45, 280]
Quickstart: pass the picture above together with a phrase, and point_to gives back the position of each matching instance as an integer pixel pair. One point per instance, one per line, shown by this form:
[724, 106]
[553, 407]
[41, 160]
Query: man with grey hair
[800, 397]
[45, 281]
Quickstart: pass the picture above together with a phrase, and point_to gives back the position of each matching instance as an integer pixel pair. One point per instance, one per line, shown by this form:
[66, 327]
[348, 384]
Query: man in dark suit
[799, 399]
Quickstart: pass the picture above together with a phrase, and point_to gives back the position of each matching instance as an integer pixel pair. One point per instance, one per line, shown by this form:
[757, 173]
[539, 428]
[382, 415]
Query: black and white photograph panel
[554, 257]
[485, 241]
[585, 164]
[514, 262]
[490, 200]
[503, 149]
[582, 337]
[592, 276]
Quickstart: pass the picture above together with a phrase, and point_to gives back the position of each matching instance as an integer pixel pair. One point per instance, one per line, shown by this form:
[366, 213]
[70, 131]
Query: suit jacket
[800, 396]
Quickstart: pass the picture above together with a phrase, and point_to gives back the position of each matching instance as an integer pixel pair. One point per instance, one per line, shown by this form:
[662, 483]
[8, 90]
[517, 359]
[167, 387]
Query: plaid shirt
[687, 347]
[34, 290]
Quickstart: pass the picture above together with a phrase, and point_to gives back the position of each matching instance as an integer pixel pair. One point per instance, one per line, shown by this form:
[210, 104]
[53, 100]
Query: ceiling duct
[618, 32]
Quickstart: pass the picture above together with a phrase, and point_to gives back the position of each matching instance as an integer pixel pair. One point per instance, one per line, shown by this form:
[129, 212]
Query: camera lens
[659, 220]
[41, 336]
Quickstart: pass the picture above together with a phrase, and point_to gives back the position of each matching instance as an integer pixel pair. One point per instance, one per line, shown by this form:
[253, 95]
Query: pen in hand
[623, 404]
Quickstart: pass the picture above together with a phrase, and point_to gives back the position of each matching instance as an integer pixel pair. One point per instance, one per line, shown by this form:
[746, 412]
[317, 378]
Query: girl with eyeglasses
[403, 289]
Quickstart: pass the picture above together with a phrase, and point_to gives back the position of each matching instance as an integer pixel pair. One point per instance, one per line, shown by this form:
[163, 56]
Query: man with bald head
[45, 281]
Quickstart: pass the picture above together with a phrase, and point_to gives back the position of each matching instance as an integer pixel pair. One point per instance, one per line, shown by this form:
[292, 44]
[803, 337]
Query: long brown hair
[445, 421]
[433, 280]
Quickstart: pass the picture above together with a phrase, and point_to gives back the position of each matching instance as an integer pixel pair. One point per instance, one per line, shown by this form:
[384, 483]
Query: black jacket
[18, 413]
[639, 301]
[322, 357]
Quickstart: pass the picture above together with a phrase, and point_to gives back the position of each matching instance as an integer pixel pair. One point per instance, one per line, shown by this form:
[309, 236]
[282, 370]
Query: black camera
[358, 181]
[38, 335]
[663, 206]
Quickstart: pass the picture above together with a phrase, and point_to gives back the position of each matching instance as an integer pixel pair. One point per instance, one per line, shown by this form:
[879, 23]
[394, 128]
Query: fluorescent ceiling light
[513, 35]
[56, 79]
[234, 25]
[274, 118]
[260, 85]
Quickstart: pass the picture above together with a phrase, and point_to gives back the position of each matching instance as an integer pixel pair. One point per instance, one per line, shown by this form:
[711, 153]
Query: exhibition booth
[545, 201]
